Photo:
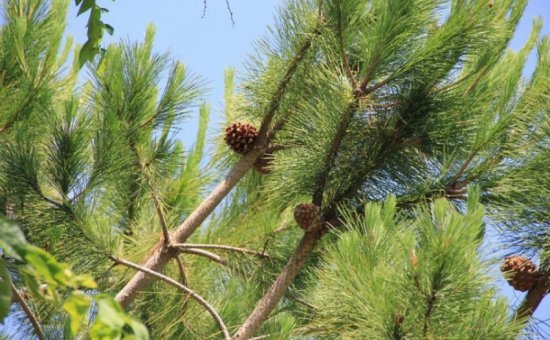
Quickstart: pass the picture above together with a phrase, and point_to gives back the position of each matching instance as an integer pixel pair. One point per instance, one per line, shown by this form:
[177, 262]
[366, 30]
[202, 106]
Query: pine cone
[520, 272]
[263, 164]
[240, 137]
[308, 216]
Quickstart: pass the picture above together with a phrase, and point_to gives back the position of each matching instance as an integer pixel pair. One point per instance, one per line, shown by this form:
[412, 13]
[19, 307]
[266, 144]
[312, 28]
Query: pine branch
[28, 312]
[344, 55]
[301, 301]
[283, 85]
[274, 294]
[181, 268]
[476, 80]
[181, 287]
[28, 101]
[160, 256]
[162, 218]
[272, 297]
[339, 137]
[431, 301]
[322, 179]
[209, 255]
[222, 247]
[219, 260]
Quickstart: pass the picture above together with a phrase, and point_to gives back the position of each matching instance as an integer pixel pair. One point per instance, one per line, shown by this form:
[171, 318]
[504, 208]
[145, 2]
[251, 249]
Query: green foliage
[112, 323]
[406, 102]
[391, 276]
[5, 290]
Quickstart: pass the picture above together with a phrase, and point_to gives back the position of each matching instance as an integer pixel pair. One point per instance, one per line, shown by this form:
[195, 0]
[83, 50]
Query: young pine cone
[308, 216]
[240, 137]
[520, 272]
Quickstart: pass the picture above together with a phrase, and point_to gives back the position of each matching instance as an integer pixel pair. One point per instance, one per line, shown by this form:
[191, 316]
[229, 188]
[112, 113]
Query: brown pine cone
[240, 137]
[308, 216]
[520, 272]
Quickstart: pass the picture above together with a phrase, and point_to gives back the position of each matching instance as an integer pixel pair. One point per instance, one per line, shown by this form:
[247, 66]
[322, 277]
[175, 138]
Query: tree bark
[271, 298]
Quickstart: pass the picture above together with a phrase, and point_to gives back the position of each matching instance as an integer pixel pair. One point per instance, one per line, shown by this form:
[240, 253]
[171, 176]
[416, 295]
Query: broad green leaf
[12, 240]
[77, 306]
[84, 281]
[86, 5]
[112, 322]
[109, 28]
[87, 52]
[5, 290]
[109, 313]
[139, 330]
[46, 265]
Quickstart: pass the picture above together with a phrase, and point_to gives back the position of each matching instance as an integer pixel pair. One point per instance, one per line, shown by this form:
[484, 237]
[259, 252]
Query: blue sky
[210, 44]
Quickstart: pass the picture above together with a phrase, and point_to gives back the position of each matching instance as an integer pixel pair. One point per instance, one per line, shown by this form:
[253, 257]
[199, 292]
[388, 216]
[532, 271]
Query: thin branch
[181, 269]
[283, 85]
[26, 309]
[476, 80]
[344, 55]
[261, 337]
[339, 137]
[222, 247]
[301, 301]
[181, 287]
[162, 217]
[209, 255]
[215, 258]
[374, 87]
[332, 152]
[230, 12]
[203, 9]
[428, 314]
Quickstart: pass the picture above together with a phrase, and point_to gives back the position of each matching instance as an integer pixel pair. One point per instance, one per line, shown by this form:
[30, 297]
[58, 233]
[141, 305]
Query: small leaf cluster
[55, 284]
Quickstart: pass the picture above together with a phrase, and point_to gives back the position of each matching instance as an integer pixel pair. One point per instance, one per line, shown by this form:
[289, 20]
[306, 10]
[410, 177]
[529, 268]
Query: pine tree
[385, 135]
